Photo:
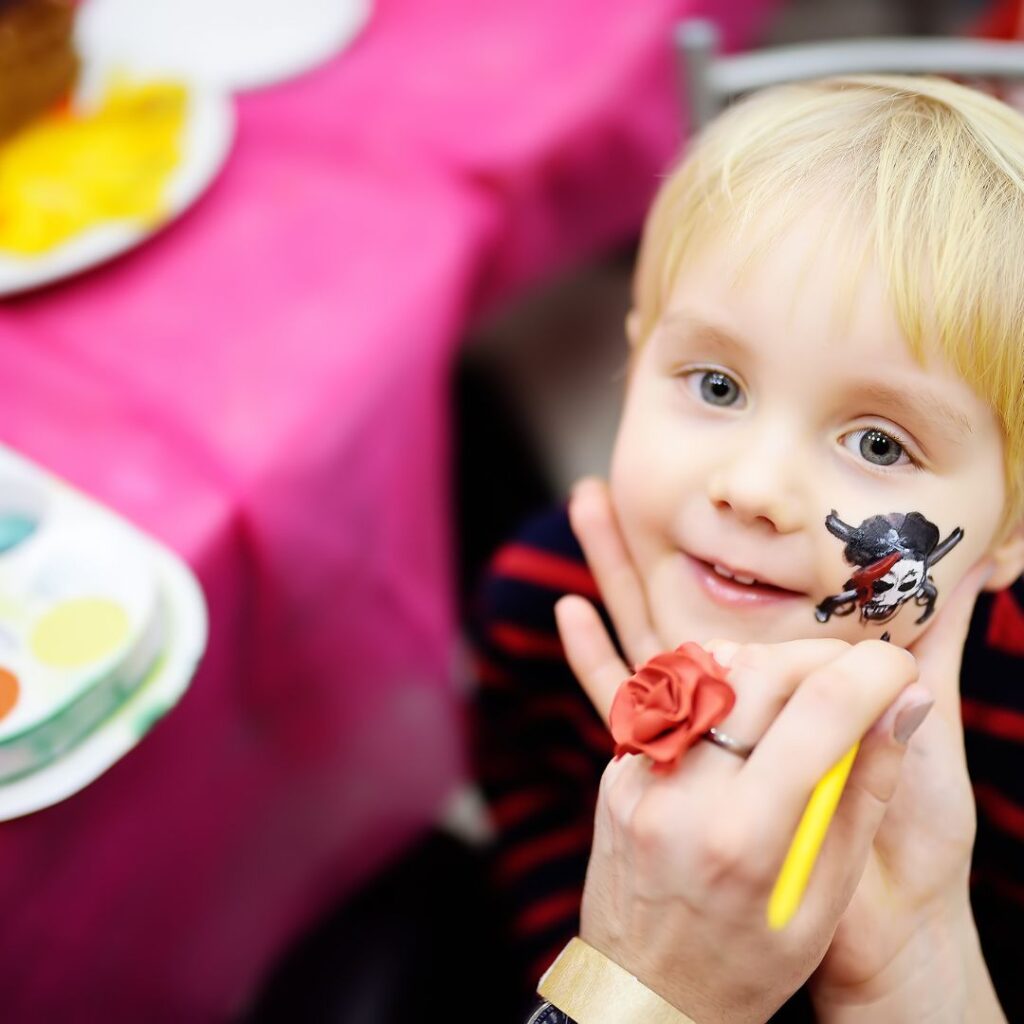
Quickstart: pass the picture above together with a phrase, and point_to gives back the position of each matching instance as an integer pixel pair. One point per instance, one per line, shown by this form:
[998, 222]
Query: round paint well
[78, 632]
[10, 689]
[14, 529]
[22, 508]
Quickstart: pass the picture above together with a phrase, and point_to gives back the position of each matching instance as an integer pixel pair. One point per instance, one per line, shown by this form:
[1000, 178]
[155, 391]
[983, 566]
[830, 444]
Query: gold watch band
[592, 989]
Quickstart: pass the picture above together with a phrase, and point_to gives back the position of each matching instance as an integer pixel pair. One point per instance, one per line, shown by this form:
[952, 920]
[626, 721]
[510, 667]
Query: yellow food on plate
[74, 170]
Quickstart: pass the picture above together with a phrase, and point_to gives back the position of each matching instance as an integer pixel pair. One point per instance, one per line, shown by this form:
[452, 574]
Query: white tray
[80, 710]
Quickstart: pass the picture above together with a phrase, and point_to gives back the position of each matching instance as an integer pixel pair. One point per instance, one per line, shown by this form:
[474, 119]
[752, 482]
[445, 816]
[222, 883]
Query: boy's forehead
[796, 296]
[811, 271]
[813, 282]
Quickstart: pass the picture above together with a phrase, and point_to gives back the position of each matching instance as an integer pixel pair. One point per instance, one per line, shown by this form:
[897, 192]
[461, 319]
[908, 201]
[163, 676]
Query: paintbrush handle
[810, 834]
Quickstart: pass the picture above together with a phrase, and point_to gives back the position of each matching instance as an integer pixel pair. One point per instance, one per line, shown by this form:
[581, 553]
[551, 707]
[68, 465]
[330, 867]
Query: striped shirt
[540, 749]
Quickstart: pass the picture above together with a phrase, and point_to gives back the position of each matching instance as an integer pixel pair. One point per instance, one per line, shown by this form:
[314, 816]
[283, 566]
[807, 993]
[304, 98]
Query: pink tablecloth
[264, 388]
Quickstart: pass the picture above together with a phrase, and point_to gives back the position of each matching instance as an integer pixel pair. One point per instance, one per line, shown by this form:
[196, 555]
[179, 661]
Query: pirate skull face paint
[893, 554]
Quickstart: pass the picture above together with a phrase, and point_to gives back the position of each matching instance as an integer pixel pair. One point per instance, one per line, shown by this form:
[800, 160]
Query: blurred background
[350, 311]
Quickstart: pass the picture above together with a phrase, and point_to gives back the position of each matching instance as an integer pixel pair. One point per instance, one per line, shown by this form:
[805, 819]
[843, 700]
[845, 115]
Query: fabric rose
[668, 704]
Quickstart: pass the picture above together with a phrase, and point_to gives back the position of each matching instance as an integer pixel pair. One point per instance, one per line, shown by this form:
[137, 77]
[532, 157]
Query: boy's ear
[1008, 556]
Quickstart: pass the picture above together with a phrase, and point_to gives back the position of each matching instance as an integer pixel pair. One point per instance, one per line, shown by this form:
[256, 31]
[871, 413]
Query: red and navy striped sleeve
[992, 688]
[539, 746]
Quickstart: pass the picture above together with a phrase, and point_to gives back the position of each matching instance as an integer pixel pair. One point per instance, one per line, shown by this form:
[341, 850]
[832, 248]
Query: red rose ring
[670, 702]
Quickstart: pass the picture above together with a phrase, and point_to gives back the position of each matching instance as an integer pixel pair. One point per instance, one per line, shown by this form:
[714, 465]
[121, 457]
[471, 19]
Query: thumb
[940, 648]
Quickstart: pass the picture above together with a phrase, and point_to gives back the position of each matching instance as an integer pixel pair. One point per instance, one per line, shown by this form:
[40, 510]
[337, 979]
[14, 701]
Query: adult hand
[682, 866]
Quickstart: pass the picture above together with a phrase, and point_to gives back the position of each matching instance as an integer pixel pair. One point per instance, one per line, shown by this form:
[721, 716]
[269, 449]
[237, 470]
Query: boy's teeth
[722, 571]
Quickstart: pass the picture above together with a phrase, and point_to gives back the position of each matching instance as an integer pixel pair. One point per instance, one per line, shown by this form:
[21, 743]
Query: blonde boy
[828, 315]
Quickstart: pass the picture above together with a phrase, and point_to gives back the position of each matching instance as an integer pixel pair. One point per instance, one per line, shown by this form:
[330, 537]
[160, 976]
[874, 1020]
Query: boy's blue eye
[717, 388]
[880, 448]
[877, 447]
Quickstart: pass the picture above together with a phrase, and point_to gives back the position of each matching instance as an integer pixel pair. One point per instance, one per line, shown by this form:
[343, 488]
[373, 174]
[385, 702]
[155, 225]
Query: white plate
[66, 514]
[208, 133]
[229, 44]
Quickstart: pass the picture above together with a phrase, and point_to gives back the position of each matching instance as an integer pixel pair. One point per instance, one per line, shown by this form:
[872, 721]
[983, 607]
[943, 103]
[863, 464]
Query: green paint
[14, 529]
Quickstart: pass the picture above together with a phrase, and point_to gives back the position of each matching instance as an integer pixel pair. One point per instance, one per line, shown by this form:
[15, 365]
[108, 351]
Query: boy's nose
[757, 487]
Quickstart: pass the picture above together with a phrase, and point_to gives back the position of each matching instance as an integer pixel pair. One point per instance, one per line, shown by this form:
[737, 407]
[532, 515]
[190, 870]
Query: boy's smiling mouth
[737, 588]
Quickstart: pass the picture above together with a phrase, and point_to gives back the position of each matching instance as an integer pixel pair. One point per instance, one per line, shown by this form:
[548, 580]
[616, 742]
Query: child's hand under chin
[911, 907]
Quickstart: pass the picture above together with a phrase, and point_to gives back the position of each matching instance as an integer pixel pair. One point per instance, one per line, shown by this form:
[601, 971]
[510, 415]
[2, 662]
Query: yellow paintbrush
[810, 834]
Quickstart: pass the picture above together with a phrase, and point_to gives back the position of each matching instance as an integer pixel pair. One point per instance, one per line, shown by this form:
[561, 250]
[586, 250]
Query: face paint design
[894, 555]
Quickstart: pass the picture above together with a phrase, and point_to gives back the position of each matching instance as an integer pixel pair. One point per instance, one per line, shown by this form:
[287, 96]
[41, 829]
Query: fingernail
[723, 651]
[909, 719]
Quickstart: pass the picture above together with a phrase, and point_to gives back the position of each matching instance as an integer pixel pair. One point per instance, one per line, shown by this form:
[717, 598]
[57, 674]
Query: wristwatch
[597, 989]
[548, 1013]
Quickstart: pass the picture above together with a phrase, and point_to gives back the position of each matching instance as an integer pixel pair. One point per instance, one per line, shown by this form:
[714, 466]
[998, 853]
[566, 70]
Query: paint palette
[101, 629]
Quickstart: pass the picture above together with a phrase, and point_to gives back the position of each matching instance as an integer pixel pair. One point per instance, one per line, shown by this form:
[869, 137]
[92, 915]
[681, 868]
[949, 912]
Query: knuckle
[891, 652]
[620, 811]
[648, 826]
[897, 661]
[721, 854]
[823, 692]
[643, 643]
[614, 794]
[777, 687]
[907, 660]
[833, 645]
[751, 656]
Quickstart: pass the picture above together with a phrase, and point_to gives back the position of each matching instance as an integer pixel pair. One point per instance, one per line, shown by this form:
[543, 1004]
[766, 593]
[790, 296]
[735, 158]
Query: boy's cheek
[637, 484]
[635, 508]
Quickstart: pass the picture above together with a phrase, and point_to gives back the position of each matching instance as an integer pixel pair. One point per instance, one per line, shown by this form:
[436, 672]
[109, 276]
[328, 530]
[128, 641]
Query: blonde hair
[932, 175]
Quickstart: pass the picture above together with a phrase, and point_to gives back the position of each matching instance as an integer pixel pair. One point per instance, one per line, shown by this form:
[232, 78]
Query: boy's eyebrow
[926, 407]
[708, 332]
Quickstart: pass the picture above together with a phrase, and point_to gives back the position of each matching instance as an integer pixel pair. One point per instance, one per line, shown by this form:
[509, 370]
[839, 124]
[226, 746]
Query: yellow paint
[71, 171]
[810, 834]
[79, 632]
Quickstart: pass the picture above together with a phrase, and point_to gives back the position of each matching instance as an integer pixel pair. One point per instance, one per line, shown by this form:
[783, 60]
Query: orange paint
[9, 690]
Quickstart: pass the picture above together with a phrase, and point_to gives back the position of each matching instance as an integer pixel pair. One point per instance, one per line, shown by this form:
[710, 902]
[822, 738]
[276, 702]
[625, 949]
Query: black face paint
[894, 554]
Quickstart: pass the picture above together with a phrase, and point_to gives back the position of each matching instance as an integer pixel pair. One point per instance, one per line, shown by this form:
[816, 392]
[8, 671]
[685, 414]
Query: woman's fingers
[590, 652]
[764, 677]
[596, 528]
[834, 707]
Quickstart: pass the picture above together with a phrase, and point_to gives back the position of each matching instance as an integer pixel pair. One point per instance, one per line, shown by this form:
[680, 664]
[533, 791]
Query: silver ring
[720, 739]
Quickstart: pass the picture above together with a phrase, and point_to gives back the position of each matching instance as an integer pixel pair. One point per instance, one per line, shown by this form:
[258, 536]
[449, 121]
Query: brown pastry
[38, 64]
